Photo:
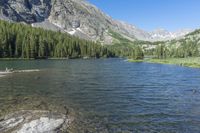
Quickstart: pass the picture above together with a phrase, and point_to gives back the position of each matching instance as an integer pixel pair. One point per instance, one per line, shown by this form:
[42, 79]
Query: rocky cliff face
[28, 11]
[76, 17]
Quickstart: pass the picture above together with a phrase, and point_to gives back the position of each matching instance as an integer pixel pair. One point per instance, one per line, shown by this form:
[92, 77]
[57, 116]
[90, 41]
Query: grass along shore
[193, 62]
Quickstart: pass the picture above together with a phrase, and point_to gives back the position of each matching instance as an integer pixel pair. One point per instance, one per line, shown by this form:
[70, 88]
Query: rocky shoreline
[38, 121]
[34, 114]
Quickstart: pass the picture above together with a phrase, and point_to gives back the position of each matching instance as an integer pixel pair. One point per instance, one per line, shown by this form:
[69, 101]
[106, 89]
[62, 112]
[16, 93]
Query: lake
[109, 95]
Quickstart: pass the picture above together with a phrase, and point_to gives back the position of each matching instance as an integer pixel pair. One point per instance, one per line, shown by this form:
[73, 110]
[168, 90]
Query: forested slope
[189, 46]
[23, 41]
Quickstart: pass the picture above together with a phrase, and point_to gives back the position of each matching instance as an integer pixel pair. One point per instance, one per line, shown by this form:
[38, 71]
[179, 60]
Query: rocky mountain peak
[28, 11]
[76, 17]
[162, 34]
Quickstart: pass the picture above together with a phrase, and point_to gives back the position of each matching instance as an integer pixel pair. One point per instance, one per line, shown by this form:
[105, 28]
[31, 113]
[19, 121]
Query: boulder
[29, 121]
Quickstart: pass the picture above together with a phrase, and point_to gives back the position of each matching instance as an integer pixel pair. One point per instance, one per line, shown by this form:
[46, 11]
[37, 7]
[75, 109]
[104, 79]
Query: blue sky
[152, 14]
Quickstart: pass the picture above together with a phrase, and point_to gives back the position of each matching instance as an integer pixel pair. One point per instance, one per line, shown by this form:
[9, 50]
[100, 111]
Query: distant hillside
[188, 46]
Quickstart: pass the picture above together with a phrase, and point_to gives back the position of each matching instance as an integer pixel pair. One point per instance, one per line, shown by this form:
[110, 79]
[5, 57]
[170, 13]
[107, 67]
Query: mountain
[76, 17]
[187, 46]
[162, 34]
[192, 38]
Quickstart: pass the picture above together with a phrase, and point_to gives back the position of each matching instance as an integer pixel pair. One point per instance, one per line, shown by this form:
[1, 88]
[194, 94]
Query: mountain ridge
[76, 17]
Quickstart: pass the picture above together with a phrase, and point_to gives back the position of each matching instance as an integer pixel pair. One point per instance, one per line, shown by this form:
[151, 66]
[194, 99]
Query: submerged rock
[1, 75]
[4, 73]
[10, 123]
[23, 71]
[34, 122]
[44, 124]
